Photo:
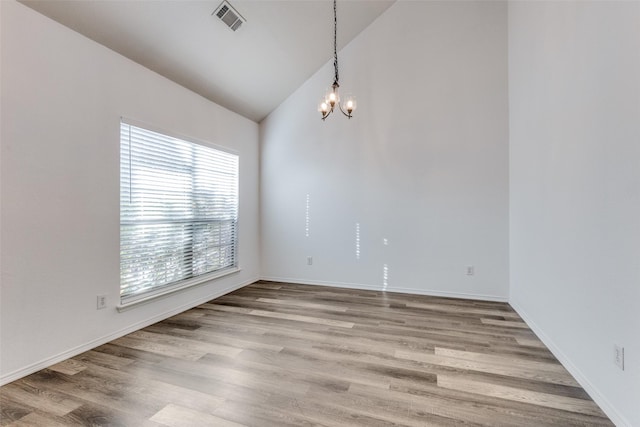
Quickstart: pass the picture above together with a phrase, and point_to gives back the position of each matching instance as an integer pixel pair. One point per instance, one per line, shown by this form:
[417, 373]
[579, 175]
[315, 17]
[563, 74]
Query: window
[178, 212]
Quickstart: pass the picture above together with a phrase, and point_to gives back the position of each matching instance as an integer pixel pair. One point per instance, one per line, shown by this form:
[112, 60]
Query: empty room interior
[320, 213]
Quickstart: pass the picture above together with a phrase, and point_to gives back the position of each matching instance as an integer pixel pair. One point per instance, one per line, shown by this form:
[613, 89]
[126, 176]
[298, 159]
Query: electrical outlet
[470, 271]
[101, 302]
[619, 356]
[309, 260]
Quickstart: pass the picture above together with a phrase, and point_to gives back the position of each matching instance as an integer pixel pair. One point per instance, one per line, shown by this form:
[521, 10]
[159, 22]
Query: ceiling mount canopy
[332, 97]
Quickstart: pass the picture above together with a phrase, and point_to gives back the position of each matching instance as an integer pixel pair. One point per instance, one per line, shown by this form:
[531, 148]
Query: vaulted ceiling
[249, 71]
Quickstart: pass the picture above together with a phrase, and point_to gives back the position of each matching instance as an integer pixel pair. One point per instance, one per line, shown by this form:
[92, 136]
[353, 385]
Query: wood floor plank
[11, 410]
[296, 303]
[417, 407]
[45, 400]
[228, 308]
[149, 390]
[160, 348]
[480, 366]
[95, 414]
[299, 318]
[69, 367]
[36, 419]
[309, 365]
[195, 345]
[570, 404]
[376, 410]
[530, 342]
[501, 361]
[211, 334]
[267, 285]
[103, 359]
[178, 416]
[470, 311]
[283, 412]
[505, 323]
[286, 355]
[96, 390]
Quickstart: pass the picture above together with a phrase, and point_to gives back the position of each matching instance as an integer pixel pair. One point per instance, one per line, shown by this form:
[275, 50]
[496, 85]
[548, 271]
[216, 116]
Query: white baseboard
[427, 292]
[35, 367]
[616, 417]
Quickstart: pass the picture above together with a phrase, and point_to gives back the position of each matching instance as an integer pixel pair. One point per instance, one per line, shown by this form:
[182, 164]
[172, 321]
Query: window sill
[187, 284]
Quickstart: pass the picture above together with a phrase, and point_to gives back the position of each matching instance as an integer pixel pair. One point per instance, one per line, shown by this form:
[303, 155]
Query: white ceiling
[250, 71]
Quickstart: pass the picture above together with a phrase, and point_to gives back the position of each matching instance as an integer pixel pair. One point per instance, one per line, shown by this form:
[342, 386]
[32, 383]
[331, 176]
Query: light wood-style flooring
[275, 354]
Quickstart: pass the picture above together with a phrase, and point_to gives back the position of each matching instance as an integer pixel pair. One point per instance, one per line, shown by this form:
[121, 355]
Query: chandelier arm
[325, 115]
[342, 111]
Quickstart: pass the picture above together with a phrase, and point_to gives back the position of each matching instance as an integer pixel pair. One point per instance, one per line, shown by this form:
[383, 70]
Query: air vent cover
[229, 15]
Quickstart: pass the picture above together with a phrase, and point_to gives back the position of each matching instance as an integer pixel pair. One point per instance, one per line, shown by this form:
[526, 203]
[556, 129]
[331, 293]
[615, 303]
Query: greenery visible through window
[178, 211]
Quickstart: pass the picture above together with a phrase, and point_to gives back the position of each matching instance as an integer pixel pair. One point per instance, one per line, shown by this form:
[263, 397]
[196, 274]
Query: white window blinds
[178, 211]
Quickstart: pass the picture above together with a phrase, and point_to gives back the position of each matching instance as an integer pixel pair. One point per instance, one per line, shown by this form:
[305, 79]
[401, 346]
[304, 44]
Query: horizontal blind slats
[178, 210]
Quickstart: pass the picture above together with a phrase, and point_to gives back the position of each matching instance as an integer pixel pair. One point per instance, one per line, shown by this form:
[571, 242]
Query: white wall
[62, 99]
[574, 82]
[423, 163]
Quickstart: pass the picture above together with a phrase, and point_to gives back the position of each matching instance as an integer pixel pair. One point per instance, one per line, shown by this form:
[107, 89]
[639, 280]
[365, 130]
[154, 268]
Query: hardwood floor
[274, 354]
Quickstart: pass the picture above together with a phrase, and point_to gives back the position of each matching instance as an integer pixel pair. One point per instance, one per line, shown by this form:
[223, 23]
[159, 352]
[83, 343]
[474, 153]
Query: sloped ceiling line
[250, 71]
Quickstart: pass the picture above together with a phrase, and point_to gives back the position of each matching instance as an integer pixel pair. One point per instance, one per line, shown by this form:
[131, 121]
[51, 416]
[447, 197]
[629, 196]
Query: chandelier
[332, 98]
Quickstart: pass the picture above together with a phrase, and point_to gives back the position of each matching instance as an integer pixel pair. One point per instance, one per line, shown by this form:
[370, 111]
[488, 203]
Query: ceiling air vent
[229, 15]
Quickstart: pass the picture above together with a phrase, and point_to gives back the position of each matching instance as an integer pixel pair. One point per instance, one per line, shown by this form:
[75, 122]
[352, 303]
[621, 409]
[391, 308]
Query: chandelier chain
[335, 42]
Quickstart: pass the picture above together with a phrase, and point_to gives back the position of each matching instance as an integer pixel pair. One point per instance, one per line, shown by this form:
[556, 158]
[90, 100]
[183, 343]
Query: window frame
[173, 287]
